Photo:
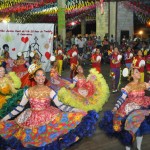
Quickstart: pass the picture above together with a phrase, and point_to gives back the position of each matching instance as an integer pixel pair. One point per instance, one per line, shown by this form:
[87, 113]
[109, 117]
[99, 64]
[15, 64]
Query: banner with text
[27, 38]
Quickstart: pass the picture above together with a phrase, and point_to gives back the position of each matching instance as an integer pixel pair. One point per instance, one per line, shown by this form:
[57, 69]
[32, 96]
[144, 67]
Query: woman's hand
[3, 120]
[114, 111]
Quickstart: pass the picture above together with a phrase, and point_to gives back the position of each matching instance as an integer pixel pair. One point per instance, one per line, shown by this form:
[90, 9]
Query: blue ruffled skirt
[124, 136]
[85, 128]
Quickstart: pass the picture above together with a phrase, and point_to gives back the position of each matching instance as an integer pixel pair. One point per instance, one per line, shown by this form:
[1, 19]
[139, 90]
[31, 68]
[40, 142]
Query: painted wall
[108, 23]
[124, 21]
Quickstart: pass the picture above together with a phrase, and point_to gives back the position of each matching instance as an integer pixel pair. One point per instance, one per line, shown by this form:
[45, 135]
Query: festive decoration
[24, 39]
[102, 6]
[19, 54]
[52, 58]
[125, 72]
[119, 57]
[7, 4]
[47, 55]
[142, 63]
[32, 68]
[34, 11]
[21, 8]
[139, 7]
[32, 54]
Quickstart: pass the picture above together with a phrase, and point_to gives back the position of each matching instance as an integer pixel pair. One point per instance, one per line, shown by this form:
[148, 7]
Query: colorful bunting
[30, 11]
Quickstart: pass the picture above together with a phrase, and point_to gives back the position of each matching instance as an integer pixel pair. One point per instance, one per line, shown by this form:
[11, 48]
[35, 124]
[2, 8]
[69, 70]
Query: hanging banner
[27, 38]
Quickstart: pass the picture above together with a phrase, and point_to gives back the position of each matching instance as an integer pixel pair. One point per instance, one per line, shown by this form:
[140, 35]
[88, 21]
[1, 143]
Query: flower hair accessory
[19, 54]
[98, 58]
[142, 63]
[74, 54]
[52, 58]
[59, 52]
[94, 50]
[119, 57]
[33, 68]
[32, 54]
[131, 55]
[125, 72]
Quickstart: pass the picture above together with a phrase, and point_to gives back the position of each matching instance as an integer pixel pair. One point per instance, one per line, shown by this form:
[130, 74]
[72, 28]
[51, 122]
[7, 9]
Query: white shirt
[81, 43]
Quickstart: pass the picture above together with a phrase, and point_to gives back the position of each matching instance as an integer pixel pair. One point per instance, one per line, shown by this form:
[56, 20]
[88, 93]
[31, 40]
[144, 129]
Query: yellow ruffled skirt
[95, 101]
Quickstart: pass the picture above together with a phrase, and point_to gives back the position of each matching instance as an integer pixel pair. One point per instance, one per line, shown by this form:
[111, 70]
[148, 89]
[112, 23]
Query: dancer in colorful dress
[115, 65]
[8, 85]
[89, 93]
[35, 58]
[110, 51]
[20, 65]
[9, 61]
[139, 63]
[128, 55]
[43, 126]
[148, 66]
[130, 116]
[96, 60]
[56, 81]
[27, 79]
[59, 58]
[73, 56]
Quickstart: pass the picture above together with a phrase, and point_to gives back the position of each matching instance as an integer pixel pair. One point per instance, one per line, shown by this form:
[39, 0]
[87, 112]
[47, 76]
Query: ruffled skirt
[20, 70]
[59, 133]
[11, 103]
[137, 123]
[89, 97]
[59, 82]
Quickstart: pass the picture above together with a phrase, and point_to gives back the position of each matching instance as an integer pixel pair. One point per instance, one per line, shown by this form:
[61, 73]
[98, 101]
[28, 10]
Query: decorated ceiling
[45, 11]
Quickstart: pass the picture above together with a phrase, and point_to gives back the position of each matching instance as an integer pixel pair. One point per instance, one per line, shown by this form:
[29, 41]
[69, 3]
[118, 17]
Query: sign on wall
[27, 38]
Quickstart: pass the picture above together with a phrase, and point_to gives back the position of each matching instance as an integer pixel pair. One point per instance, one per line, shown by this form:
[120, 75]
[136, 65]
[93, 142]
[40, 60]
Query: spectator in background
[145, 48]
[73, 56]
[98, 42]
[59, 41]
[80, 45]
[9, 61]
[128, 56]
[68, 43]
[112, 39]
[90, 43]
[139, 63]
[84, 39]
[148, 66]
[73, 40]
[76, 40]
